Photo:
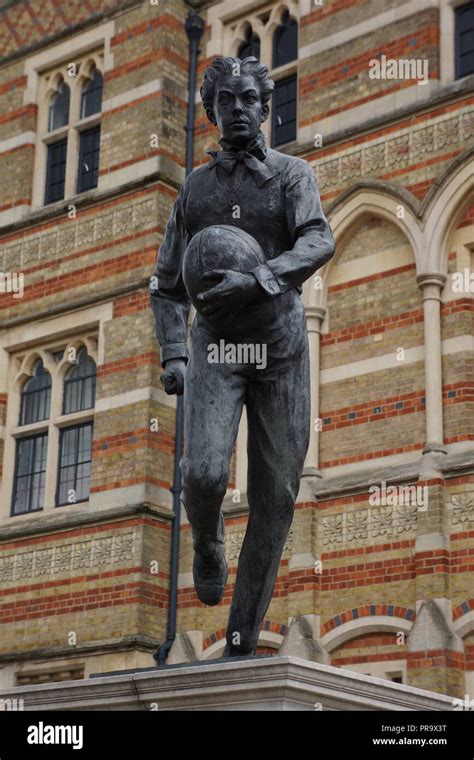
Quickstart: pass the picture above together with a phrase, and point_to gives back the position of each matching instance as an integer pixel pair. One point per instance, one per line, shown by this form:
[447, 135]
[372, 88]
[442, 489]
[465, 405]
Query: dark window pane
[30, 474]
[79, 384]
[56, 171]
[91, 101]
[36, 396]
[75, 453]
[59, 108]
[467, 63]
[285, 42]
[464, 40]
[251, 46]
[284, 126]
[88, 174]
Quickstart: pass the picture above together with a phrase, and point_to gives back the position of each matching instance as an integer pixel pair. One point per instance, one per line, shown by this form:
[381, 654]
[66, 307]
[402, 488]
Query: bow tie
[253, 156]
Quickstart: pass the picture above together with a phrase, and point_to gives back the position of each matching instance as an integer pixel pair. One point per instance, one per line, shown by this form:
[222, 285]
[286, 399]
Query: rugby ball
[222, 246]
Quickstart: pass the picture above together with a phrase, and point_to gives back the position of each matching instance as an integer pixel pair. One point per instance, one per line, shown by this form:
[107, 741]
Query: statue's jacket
[279, 205]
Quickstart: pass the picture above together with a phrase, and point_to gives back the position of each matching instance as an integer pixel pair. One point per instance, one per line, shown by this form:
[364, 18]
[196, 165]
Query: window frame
[264, 21]
[48, 184]
[51, 106]
[18, 443]
[21, 368]
[49, 83]
[82, 133]
[27, 393]
[287, 21]
[67, 382]
[280, 82]
[458, 10]
[84, 94]
[63, 430]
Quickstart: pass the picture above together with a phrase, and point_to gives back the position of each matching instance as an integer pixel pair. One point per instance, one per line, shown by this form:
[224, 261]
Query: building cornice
[87, 200]
[446, 94]
[51, 524]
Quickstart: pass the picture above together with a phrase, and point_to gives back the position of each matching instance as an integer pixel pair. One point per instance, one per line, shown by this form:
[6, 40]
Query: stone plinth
[265, 683]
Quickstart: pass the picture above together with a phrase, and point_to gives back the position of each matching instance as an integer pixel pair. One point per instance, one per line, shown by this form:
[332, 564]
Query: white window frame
[82, 48]
[447, 52]
[19, 350]
[228, 29]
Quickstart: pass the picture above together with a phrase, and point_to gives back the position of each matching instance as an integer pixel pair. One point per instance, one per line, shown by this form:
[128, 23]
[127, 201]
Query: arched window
[36, 396]
[79, 384]
[250, 46]
[284, 100]
[285, 41]
[464, 32]
[91, 99]
[59, 107]
[73, 117]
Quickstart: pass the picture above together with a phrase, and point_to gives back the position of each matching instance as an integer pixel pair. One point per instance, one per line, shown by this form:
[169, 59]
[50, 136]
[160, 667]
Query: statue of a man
[274, 198]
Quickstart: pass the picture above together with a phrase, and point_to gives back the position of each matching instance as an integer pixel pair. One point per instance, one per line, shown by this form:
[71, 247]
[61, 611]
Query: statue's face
[238, 109]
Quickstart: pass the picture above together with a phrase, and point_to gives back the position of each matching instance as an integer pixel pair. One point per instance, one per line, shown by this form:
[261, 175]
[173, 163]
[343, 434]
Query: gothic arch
[345, 216]
[443, 210]
[463, 617]
[271, 635]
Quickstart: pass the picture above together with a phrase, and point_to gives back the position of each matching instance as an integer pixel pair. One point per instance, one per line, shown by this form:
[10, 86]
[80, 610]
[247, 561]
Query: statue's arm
[169, 300]
[313, 242]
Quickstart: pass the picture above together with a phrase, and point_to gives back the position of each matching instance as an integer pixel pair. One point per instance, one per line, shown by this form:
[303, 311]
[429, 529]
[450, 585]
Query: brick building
[378, 569]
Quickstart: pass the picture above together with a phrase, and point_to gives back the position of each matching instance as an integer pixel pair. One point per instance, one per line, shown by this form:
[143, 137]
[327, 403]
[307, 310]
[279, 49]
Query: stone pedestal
[261, 683]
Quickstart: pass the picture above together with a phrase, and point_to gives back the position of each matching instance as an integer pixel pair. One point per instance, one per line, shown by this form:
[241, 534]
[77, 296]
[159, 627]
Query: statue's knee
[206, 482]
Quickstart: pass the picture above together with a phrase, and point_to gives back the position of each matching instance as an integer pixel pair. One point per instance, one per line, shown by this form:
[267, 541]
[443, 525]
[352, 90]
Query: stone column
[435, 653]
[431, 286]
[314, 319]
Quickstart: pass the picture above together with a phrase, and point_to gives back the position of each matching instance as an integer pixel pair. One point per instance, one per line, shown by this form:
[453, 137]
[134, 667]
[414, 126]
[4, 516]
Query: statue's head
[235, 94]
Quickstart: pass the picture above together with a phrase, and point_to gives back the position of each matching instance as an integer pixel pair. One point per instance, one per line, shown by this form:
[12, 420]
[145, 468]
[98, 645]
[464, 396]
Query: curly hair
[226, 65]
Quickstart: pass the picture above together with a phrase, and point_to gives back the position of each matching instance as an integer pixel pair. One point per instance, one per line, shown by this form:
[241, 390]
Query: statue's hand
[173, 376]
[234, 291]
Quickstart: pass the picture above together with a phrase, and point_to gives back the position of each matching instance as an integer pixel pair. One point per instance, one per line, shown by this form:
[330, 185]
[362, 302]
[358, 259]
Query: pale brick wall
[371, 567]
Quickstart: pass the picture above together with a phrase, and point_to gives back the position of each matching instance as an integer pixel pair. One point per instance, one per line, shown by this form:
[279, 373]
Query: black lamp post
[194, 26]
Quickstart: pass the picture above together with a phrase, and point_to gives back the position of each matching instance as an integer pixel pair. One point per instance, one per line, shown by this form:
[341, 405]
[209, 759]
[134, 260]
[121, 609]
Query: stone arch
[86, 69]
[346, 215]
[53, 84]
[356, 622]
[26, 368]
[444, 209]
[463, 618]
[66, 363]
[271, 635]
[255, 24]
[87, 66]
[277, 14]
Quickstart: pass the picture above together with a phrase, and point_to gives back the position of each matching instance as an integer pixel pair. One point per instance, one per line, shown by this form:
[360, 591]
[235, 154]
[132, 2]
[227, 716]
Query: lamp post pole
[194, 26]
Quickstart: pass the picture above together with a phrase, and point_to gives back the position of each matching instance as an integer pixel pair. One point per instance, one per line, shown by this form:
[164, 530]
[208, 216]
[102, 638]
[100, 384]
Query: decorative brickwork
[84, 587]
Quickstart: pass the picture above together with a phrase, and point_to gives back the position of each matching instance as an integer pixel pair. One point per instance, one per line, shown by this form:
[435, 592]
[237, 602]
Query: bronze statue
[250, 309]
